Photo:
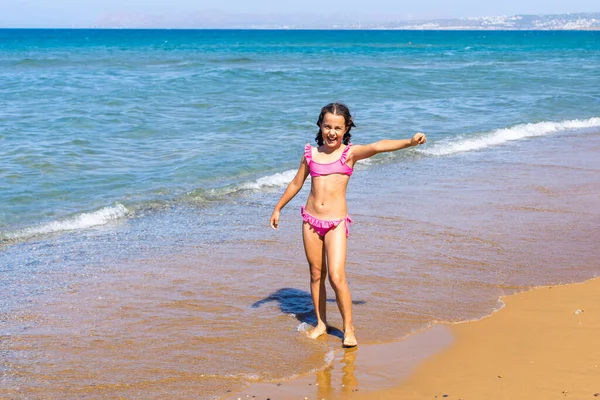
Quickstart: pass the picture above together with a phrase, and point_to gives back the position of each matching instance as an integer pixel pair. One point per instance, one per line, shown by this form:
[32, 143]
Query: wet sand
[542, 345]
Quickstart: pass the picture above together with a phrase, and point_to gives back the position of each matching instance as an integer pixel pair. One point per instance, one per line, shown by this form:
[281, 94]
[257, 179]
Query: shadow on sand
[299, 303]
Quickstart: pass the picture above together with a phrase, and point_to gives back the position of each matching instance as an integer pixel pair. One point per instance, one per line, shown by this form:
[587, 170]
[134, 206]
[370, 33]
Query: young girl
[325, 215]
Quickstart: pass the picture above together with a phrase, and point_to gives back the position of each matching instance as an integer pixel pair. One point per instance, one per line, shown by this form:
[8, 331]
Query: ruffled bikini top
[336, 167]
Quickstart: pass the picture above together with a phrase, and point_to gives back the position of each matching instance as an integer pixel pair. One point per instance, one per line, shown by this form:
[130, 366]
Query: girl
[325, 215]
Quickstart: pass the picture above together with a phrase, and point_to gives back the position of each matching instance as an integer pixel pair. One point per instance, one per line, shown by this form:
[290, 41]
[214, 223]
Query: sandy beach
[542, 345]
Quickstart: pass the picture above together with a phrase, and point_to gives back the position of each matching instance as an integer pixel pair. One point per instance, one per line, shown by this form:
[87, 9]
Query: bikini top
[336, 167]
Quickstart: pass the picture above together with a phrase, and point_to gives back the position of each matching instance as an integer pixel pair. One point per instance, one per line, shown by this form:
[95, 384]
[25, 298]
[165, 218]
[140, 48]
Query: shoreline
[512, 353]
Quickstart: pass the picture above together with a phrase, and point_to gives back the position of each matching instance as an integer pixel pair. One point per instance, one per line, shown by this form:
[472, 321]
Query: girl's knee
[338, 281]
[317, 274]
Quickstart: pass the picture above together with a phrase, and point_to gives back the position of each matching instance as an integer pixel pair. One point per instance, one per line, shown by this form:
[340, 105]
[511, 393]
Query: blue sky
[82, 13]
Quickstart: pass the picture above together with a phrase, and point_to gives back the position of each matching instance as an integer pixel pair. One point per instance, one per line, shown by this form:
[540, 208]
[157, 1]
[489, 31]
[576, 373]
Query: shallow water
[207, 320]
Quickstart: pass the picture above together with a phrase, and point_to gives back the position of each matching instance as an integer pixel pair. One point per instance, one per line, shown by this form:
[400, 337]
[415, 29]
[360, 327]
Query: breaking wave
[81, 221]
[501, 136]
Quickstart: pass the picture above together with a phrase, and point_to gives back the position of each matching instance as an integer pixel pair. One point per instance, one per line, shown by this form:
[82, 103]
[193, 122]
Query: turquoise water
[96, 118]
[139, 169]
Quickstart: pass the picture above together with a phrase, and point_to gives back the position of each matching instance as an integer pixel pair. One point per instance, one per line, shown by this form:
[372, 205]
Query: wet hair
[335, 109]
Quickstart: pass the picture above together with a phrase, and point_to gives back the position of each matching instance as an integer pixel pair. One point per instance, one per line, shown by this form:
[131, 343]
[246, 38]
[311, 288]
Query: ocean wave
[43, 62]
[234, 60]
[118, 211]
[275, 180]
[81, 221]
[501, 136]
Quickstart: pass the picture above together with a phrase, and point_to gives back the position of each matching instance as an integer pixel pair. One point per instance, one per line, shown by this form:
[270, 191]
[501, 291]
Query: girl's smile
[333, 129]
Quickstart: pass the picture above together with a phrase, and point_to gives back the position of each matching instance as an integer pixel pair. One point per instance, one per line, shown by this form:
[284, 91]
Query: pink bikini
[322, 226]
[336, 167]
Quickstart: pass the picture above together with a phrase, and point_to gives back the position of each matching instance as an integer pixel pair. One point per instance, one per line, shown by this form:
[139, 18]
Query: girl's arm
[291, 191]
[361, 152]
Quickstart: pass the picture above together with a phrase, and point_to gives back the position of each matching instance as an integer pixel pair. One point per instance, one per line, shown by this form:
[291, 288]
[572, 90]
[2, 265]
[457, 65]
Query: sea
[139, 169]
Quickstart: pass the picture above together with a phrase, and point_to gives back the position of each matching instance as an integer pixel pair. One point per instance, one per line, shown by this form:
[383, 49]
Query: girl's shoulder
[308, 152]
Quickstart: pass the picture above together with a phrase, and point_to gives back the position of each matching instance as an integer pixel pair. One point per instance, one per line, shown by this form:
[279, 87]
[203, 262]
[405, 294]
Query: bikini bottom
[322, 226]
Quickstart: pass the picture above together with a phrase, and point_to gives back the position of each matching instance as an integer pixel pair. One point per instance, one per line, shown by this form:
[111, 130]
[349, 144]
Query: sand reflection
[328, 380]
[349, 380]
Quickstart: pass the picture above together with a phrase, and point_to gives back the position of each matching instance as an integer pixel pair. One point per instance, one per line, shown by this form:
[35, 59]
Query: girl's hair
[335, 109]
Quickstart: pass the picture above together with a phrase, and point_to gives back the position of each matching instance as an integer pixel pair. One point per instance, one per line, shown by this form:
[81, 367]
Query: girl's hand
[275, 220]
[419, 138]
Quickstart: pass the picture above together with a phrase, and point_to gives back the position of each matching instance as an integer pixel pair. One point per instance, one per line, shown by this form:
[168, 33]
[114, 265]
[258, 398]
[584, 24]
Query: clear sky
[86, 13]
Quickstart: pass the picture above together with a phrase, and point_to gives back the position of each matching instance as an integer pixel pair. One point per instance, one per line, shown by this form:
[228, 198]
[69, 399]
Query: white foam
[275, 180]
[303, 327]
[329, 357]
[504, 135]
[81, 221]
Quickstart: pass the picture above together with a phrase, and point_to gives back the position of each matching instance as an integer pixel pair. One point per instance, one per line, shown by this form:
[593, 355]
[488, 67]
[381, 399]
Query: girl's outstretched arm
[365, 151]
[289, 193]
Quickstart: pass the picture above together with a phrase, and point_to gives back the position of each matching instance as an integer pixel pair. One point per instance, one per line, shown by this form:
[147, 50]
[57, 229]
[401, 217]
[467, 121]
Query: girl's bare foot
[349, 338]
[317, 331]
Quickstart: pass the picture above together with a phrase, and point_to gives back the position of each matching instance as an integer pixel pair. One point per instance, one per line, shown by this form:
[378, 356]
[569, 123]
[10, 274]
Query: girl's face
[333, 129]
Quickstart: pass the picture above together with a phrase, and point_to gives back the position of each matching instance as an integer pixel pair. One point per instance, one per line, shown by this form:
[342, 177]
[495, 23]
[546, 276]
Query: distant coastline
[210, 20]
[449, 29]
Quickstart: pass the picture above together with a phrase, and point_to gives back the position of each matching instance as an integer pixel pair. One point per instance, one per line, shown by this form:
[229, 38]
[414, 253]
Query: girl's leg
[315, 255]
[335, 249]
